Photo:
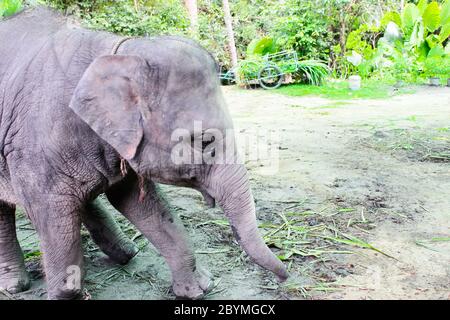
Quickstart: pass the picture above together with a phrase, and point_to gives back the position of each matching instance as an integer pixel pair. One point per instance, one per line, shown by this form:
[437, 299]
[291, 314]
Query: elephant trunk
[229, 185]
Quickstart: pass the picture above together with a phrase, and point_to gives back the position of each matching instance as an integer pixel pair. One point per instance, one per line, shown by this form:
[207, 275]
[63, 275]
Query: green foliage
[445, 12]
[409, 16]
[248, 70]
[318, 30]
[431, 16]
[261, 47]
[338, 90]
[422, 5]
[122, 18]
[301, 26]
[432, 66]
[391, 16]
[362, 40]
[428, 26]
[314, 71]
[309, 71]
[9, 7]
[422, 33]
[436, 52]
[437, 66]
[211, 31]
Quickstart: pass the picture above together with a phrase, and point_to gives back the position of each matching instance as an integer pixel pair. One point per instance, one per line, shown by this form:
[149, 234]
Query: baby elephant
[84, 113]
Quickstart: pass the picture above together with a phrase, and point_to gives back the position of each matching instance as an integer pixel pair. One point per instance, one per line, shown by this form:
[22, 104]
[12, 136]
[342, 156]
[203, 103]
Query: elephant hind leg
[106, 232]
[13, 277]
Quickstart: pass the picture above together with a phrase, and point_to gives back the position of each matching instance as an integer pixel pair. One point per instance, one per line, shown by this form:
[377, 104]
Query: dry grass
[417, 144]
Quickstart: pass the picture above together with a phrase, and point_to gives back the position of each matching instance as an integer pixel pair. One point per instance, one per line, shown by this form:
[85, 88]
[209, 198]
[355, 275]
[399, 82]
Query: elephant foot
[14, 279]
[66, 294]
[193, 288]
[77, 294]
[122, 252]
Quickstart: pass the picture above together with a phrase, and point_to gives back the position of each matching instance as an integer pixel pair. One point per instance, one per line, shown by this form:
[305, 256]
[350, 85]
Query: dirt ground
[359, 207]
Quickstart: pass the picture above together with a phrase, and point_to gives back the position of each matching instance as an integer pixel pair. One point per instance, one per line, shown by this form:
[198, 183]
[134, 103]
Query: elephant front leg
[149, 213]
[13, 277]
[106, 232]
[58, 224]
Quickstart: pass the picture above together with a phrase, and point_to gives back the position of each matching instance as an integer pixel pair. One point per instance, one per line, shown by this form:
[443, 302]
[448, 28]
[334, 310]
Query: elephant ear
[112, 98]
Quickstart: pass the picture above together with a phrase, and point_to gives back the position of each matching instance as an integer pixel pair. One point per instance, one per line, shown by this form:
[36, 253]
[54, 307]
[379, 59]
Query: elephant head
[137, 100]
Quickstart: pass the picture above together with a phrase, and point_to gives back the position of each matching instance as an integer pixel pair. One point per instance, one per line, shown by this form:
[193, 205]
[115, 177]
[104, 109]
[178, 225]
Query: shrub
[437, 67]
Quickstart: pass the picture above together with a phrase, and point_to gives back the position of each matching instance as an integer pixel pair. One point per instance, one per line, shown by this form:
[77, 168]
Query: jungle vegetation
[377, 39]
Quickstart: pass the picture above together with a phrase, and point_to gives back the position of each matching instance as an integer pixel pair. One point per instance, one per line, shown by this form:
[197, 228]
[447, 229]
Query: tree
[191, 7]
[230, 32]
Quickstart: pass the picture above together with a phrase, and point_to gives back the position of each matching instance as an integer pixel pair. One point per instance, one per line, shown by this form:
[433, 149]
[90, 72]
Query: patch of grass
[334, 105]
[415, 144]
[306, 289]
[427, 243]
[32, 255]
[295, 236]
[339, 90]
[310, 243]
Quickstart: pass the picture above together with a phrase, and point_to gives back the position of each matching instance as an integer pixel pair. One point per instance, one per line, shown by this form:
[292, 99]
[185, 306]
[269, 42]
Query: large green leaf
[422, 5]
[391, 16]
[432, 40]
[417, 34]
[445, 12]
[422, 51]
[410, 16]
[261, 47]
[436, 52]
[432, 16]
[445, 33]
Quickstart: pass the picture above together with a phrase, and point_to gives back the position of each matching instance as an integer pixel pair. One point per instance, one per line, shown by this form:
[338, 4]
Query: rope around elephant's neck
[119, 43]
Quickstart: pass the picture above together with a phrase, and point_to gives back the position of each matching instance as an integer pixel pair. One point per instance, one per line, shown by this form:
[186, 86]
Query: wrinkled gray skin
[70, 111]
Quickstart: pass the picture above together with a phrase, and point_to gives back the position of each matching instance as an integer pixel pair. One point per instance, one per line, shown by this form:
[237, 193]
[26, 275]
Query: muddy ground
[359, 206]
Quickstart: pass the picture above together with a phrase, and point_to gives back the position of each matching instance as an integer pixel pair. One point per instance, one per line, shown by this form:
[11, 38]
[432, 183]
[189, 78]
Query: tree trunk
[230, 32]
[191, 7]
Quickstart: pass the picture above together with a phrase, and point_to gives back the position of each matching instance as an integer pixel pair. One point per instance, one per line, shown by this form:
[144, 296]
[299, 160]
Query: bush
[121, 17]
[437, 67]
[9, 7]
[325, 30]
[302, 26]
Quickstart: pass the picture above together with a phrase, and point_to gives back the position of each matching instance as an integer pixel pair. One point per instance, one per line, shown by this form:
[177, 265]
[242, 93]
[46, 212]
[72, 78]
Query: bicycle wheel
[270, 77]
